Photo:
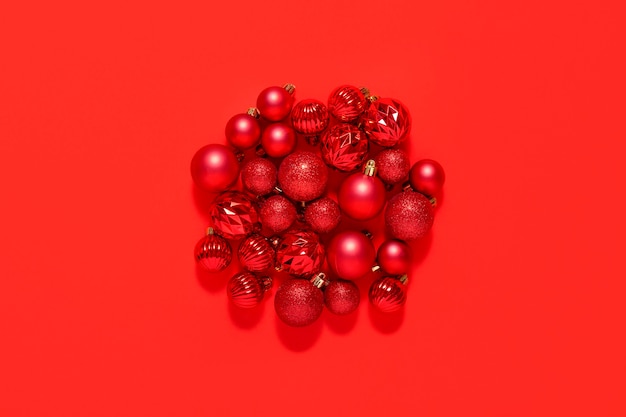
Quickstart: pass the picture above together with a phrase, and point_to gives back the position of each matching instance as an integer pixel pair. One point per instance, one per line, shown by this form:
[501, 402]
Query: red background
[516, 309]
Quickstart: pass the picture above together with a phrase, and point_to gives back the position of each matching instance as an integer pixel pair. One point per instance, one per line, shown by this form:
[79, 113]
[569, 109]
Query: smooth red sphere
[278, 140]
[259, 176]
[361, 196]
[277, 214]
[303, 176]
[350, 254]
[427, 177]
[342, 297]
[274, 103]
[214, 168]
[409, 215]
[394, 257]
[243, 131]
[298, 302]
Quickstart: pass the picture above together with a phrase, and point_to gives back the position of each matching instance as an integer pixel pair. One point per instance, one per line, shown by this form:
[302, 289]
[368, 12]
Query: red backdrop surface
[516, 305]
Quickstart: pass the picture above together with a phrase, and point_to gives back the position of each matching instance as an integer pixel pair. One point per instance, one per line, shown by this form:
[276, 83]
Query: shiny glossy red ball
[427, 177]
[394, 257]
[298, 302]
[387, 294]
[246, 290]
[277, 214]
[409, 215]
[350, 254]
[346, 103]
[342, 297]
[213, 252]
[322, 215]
[309, 117]
[344, 147]
[259, 176]
[256, 254]
[386, 122]
[393, 165]
[274, 103]
[234, 215]
[303, 176]
[300, 253]
[243, 131]
[214, 168]
[361, 196]
[278, 140]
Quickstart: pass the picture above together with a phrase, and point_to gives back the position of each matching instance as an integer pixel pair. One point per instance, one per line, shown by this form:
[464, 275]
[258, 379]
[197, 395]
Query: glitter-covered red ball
[350, 254]
[409, 215]
[393, 165]
[277, 214]
[341, 297]
[322, 215]
[303, 176]
[298, 302]
[259, 176]
[246, 290]
[213, 252]
[256, 253]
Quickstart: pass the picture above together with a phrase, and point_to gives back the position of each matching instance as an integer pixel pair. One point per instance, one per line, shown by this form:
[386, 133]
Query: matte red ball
[393, 165]
[322, 215]
[342, 297]
[259, 176]
[243, 131]
[361, 196]
[394, 257]
[214, 168]
[303, 176]
[274, 103]
[427, 177]
[298, 302]
[409, 215]
[278, 140]
[277, 214]
[350, 254]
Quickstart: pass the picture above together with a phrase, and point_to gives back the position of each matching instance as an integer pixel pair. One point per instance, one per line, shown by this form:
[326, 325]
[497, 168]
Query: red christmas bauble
[255, 253]
[341, 297]
[309, 117]
[274, 103]
[259, 176]
[346, 103]
[394, 257]
[243, 131]
[427, 177]
[387, 294]
[362, 195]
[300, 253]
[387, 122]
[213, 252]
[298, 302]
[322, 215]
[350, 254]
[278, 140]
[344, 147]
[214, 168]
[277, 214]
[409, 215]
[393, 165]
[303, 176]
[233, 214]
[246, 290]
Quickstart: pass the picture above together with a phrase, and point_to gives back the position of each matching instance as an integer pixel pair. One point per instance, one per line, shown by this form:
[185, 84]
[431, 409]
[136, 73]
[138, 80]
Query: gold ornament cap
[370, 168]
[319, 280]
[404, 279]
[254, 112]
[290, 88]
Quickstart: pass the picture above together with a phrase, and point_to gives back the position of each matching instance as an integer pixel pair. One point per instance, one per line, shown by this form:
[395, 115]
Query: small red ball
[350, 254]
[427, 177]
[298, 302]
[394, 257]
[243, 131]
[214, 168]
[277, 214]
[255, 253]
[322, 215]
[409, 215]
[274, 103]
[387, 294]
[259, 176]
[341, 297]
[361, 196]
[303, 176]
[246, 290]
[309, 117]
[346, 103]
[393, 165]
[213, 252]
[278, 140]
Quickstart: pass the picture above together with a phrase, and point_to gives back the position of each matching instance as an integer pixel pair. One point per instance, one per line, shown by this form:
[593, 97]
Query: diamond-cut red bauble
[409, 215]
[346, 103]
[309, 117]
[387, 122]
[213, 252]
[233, 214]
[246, 290]
[255, 253]
[344, 147]
[387, 294]
[300, 253]
[298, 302]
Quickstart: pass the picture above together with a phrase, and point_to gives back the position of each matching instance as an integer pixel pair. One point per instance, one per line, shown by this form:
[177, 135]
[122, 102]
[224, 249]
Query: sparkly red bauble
[394, 257]
[213, 252]
[246, 290]
[350, 254]
[409, 215]
[243, 131]
[298, 302]
[277, 214]
[322, 215]
[427, 177]
[346, 103]
[214, 168]
[274, 103]
[259, 176]
[303, 176]
[255, 253]
[362, 195]
[387, 294]
[310, 117]
[341, 297]
[393, 165]
[344, 147]
[300, 253]
[387, 122]
[278, 140]
[233, 214]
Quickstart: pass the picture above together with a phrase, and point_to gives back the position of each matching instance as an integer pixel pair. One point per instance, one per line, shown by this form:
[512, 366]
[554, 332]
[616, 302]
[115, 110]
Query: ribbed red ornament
[299, 302]
[344, 147]
[346, 103]
[213, 252]
[246, 290]
[256, 253]
[387, 122]
[300, 253]
[409, 215]
[388, 294]
[234, 215]
[310, 117]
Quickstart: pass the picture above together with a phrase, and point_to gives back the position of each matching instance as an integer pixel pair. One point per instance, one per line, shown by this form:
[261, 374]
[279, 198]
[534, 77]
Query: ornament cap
[404, 279]
[259, 151]
[367, 234]
[376, 268]
[265, 281]
[319, 280]
[312, 140]
[239, 155]
[210, 231]
[290, 88]
[254, 112]
[433, 201]
[370, 168]
[365, 91]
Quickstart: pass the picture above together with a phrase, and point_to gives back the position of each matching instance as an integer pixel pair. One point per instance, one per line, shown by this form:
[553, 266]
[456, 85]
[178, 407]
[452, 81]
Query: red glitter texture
[322, 215]
[259, 176]
[409, 215]
[341, 297]
[277, 214]
[393, 165]
[298, 302]
[303, 176]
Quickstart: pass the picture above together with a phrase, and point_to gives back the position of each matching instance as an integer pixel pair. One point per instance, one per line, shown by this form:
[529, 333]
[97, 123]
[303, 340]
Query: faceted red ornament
[277, 214]
[362, 195]
[300, 253]
[346, 103]
[310, 117]
[388, 294]
[278, 140]
[274, 103]
[303, 176]
[259, 176]
[393, 165]
[246, 290]
[299, 302]
[322, 215]
[341, 297]
[233, 214]
[394, 257]
[409, 215]
[350, 254]
[214, 168]
[243, 130]
[213, 252]
[256, 253]
[344, 147]
[427, 177]
[387, 122]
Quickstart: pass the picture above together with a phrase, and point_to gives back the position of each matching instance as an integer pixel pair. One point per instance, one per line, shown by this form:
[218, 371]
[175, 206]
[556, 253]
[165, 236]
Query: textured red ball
[234, 215]
[346, 103]
[387, 122]
[246, 290]
[387, 294]
[214, 168]
[394, 257]
[427, 177]
[322, 215]
[303, 176]
[345, 147]
[243, 131]
[361, 196]
[259, 176]
[256, 253]
[300, 253]
[274, 103]
[309, 117]
[298, 302]
[393, 165]
[277, 214]
[213, 252]
[342, 297]
[350, 254]
[278, 140]
[409, 215]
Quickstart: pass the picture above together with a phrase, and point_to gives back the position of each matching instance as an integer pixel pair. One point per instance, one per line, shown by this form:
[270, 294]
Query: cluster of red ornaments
[282, 213]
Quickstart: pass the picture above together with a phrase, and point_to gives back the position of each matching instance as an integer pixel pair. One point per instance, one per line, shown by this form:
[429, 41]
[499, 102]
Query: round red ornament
[310, 117]
[274, 103]
[346, 103]
[233, 214]
[322, 215]
[299, 302]
[303, 176]
[393, 165]
[255, 253]
[344, 147]
[362, 195]
[341, 297]
[277, 214]
[394, 257]
[278, 140]
[387, 121]
[214, 168]
[388, 294]
[350, 254]
[409, 215]
[427, 177]
[246, 290]
[213, 252]
[300, 253]
[259, 176]
[243, 130]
